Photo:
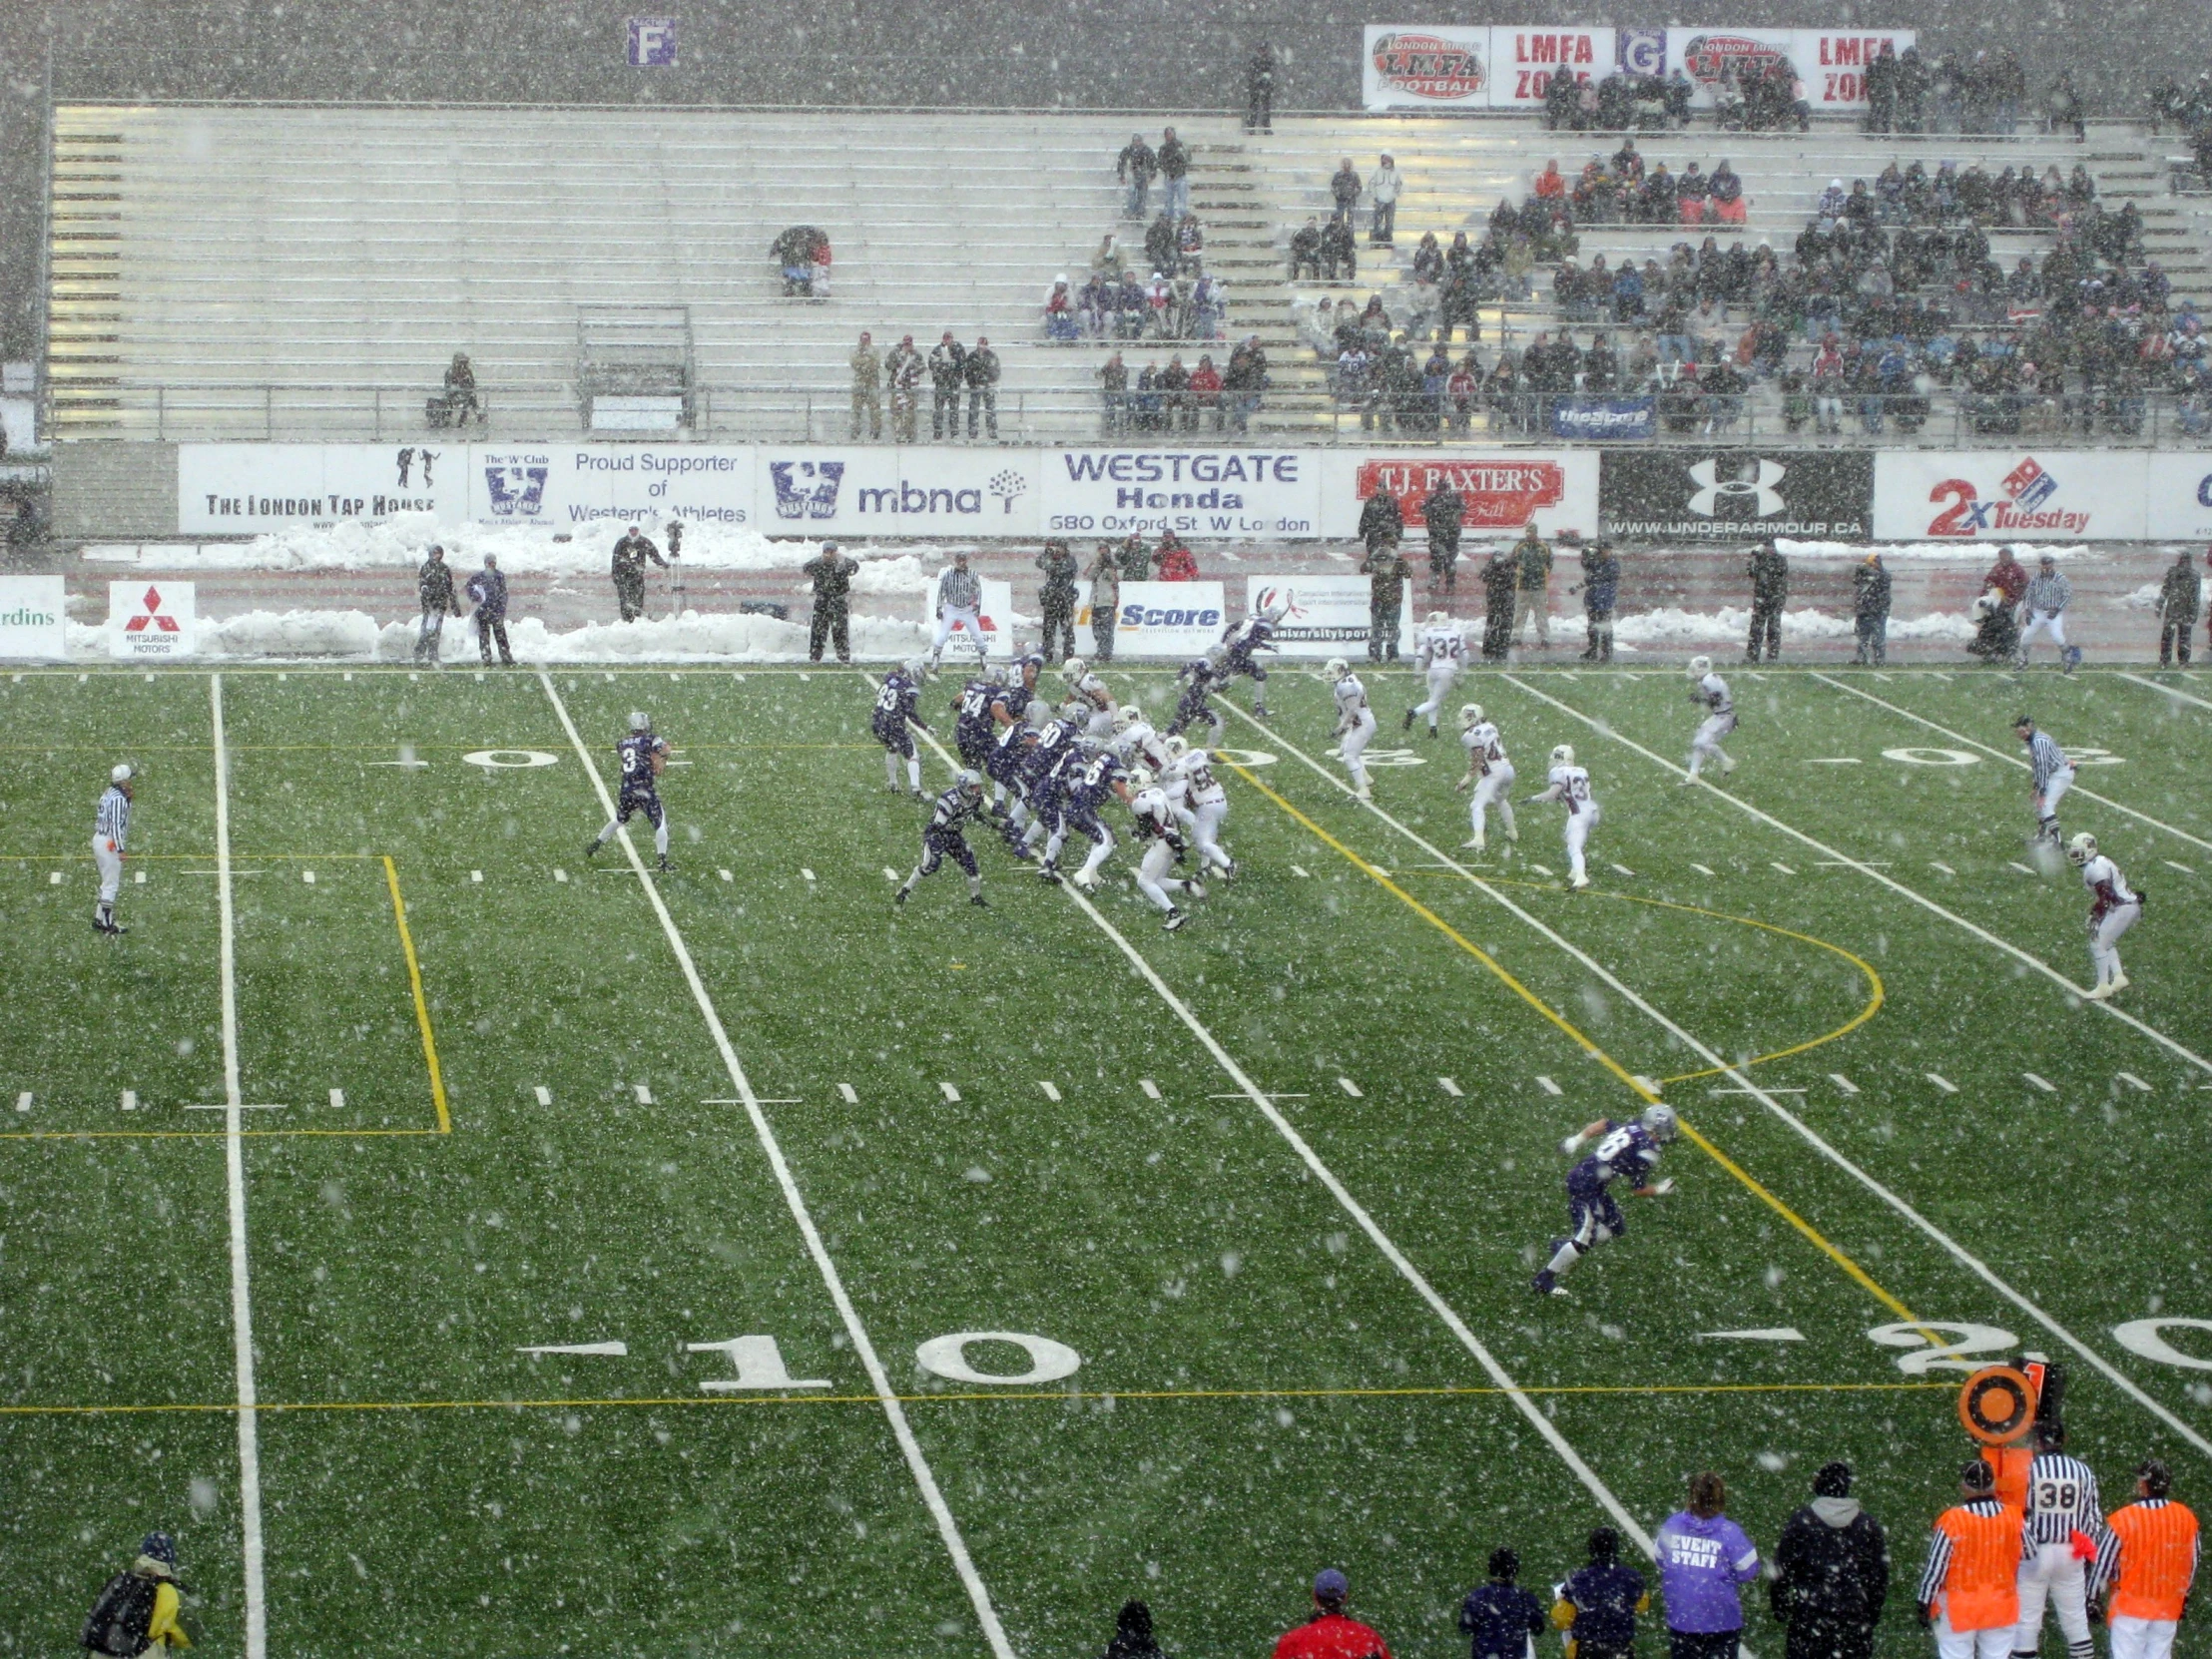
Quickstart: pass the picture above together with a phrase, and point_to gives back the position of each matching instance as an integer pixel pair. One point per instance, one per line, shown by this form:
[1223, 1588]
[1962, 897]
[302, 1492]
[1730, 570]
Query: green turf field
[1274, 1183]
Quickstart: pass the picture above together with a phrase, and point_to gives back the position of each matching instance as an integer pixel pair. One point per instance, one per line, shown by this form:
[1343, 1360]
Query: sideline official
[111, 832]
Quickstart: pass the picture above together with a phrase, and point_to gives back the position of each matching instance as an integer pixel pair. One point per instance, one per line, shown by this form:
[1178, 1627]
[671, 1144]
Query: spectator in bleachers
[2062, 108]
[1244, 385]
[1729, 205]
[1159, 308]
[1130, 308]
[1175, 387]
[1882, 89]
[867, 382]
[1159, 245]
[1174, 168]
[1209, 309]
[1190, 247]
[1344, 190]
[1109, 261]
[1913, 79]
[948, 374]
[1946, 89]
[1205, 395]
[798, 252]
[1145, 401]
[460, 393]
[1383, 193]
[1306, 249]
[902, 371]
[981, 373]
[1094, 307]
[1559, 101]
[1260, 91]
[1061, 324]
[1113, 387]
[1340, 255]
[1693, 196]
[1136, 167]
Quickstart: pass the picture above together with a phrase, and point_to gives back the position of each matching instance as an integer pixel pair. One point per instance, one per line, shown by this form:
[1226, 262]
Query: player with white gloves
[2052, 775]
[1441, 653]
[111, 832]
[1571, 784]
[1089, 690]
[1710, 693]
[1354, 720]
[1488, 771]
[2114, 907]
[1629, 1150]
[1163, 845]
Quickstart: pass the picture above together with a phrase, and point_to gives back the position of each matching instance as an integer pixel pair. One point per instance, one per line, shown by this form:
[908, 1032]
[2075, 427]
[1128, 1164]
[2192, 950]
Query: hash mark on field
[1832, 760]
[2135, 1082]
[307, 875]
[1050, 1089]
[725, 875]
[560, 875]
[139, 877]
[851, 1099]
[545, 1095]
[1843, 1082]
[1151, 1089]
[54, 879]
[337, 1100]
[23, 1101]
[2171, 865]
[1646, 1084]
[1945, 869]
[1449, 1087]
[805, 872]
[1623, 869]
[1777, 864]
[951, 1095]
[1733, 1090]
[1349, 1087]
[130, 1100]
[2043, 1083]
[889, 874]
[644, 1093]
[1298, 871]
[1942, 1083]
[2014, 864]
[1550, 1087]
[1541, 870]
[477, 876]
[1702, 869]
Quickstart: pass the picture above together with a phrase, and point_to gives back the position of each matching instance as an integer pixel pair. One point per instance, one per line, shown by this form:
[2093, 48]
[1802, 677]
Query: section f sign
[150, 621]
[652, 43]
[1422, 68]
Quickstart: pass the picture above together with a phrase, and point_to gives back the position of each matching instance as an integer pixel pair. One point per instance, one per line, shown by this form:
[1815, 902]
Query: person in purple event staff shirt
[1702, 1557]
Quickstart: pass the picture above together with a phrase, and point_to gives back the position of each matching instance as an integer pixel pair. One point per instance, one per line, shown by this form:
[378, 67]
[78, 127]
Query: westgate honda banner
[1322, 616]
[2011, 494]
[1736, 494]
[30, 618]
[1412, 66]
[1557, 489]
[246, 488]
[1235, 492]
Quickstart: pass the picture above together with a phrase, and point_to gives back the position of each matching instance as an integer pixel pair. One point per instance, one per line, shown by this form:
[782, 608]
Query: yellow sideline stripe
[421, 1007]
[1858, 1274]
[1006, 1397]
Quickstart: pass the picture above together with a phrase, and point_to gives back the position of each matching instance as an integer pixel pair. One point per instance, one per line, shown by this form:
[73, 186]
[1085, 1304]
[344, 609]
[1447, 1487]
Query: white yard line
[1955, 1250]
[948, 1529]
[233, 1160]
[2014, 760]
[1366, 1223]
[2177, 696]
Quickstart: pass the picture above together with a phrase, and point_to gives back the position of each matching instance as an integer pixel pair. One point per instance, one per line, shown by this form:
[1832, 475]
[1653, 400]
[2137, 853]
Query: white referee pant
[1494, 789]
[111, 868]
[1579, 826]
[2104, 940]
[1973, 1644]
[1206, 818]
[1355, 744]
[2134, 1638]
[950, 617]
[2054, 791]
[2055, 1572]
[2052, 623]
[1441, 678]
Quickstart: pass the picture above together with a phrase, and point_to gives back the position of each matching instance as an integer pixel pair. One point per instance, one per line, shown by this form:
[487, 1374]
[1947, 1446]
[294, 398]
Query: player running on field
[1201, 677]
[2051, 774]
[1710, 693]
[642, 757]
[1163, 849]
[2150, 1565]
[1089, 781]
[2114, 907]
[1571, 784]
[893, 722]
[1255, 633]
[1627, 1151]
[1354, 721]
[111, 832]
[972, 729]
[1090, 691]
[1488, 771]
[1039, 778]
[1200, 803]
[944, 836]
[1441, 653]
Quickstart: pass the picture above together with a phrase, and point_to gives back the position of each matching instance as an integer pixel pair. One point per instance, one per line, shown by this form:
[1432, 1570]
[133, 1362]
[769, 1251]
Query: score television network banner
[1416, 66]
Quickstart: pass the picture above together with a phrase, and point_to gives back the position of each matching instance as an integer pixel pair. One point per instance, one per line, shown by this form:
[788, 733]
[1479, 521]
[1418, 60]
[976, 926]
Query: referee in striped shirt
[2053, 776]
[111, 829]
[2065, 1533]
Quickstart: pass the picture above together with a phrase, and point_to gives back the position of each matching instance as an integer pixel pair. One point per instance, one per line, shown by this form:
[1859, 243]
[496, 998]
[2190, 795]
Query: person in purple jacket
[1702, 1557]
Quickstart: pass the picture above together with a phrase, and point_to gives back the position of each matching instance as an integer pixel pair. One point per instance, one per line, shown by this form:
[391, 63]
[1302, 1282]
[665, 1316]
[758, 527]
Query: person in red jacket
[1329, 1634]
[1174, 561]
[2008, 576]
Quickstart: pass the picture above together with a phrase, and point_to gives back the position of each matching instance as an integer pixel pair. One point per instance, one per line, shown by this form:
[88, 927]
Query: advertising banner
[246, 488]
[1322, 616]
[2009, 495]
[150, 621]
[1523, 62]
[31, 619]
[1221, 492]
[575, 484]
[1737, 494]
[1556, 488]
[998, 611]
[1443, 66]
[1707, 56]
[1833, 64]
[2179, 495]
[960, 494]
[1163, 619]
[1603, 419]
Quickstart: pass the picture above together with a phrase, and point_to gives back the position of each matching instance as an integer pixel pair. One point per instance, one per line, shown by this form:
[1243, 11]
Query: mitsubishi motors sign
[1557, 489]
[150, 621]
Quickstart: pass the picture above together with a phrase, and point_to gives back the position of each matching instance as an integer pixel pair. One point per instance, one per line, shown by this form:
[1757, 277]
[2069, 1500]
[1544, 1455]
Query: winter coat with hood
[1832, 1566]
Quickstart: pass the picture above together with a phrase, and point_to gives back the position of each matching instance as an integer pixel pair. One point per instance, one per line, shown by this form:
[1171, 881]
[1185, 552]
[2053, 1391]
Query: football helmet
[1563, 755]
[1437, 619]
[970, 781]
[1336, 668]
[1659, 1122]
[639, 722]
[1177, 747]
[1073, 670]
[1126, 716]
[1140, 778]
[1470, 716]
[2081, 849]
[1700, 667]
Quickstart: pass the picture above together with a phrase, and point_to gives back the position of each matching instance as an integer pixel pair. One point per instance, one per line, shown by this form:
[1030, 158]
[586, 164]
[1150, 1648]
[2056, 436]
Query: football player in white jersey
[1710, 692]
[1134, 742]
[1442, 653]
[1488, 772]
[1199, 805]
[1089, 690]
[1162, 841]
[1354, 720]
[2114, 907]
[1571, 784]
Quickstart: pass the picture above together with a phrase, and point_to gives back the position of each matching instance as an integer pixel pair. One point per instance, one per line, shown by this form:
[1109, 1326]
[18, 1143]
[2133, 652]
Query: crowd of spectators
[1180, 301]
[2190, 113]
[1179, 398]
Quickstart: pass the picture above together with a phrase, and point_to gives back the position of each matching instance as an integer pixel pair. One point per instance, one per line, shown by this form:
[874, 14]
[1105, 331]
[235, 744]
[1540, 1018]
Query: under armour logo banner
[1755, 494]
[1736, 494]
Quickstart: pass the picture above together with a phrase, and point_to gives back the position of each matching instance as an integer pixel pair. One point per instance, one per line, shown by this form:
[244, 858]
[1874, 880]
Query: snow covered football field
[475, 1248]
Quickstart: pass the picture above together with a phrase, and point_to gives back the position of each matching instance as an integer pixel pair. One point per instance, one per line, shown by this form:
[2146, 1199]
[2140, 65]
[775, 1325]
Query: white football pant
[1973, 1644]
[1205, 830]
[1579, 826]
[1153, 880]
[1494, 788]
[111, 868]
[1355, 744]
[1441, 679]
[2104, 940]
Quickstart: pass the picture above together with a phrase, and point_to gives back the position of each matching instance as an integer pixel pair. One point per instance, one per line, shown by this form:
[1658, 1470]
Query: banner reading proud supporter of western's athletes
[1239, 492]
[575, 484]
[2010, 494]
[1414, 66]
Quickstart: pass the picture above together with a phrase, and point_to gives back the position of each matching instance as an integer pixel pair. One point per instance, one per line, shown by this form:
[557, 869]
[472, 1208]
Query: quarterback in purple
[1629, 1150]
